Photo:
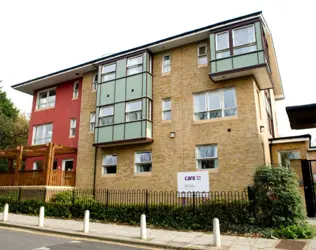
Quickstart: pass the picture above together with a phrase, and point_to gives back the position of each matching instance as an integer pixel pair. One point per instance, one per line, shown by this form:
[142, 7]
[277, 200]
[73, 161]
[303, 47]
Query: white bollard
[216, 233]
[41, 217]
[6, 212]
[143, 230]
[86, 221]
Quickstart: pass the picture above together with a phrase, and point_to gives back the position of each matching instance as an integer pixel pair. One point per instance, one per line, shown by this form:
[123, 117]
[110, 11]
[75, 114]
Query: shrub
[277, 201]
[299, 231]
[73, 196]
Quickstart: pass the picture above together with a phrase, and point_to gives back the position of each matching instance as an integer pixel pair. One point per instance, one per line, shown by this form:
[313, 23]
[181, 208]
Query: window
[75, 93]
[108, 72]
[133, 111]
[109, 164]
[134, 65]
[243, 41]
[220, 103]
[68, 165]
[285, 157]
[202, 54]
[38, 165]
[92, 122]
[166, 64]
[166, 109]
[72, 127]
[143, 162]
[206, 157]
[95, 82]
[42, 134]
[222, 45]
[46, 99]
[106, 116]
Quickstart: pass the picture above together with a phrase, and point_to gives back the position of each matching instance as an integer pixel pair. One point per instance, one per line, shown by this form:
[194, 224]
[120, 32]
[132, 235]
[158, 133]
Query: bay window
[133, 111]
[143, 162]
[42, 134]
[214, 104]
[106, 116]
[206, 157]
[46, 99]
[134, 65]
[243, 40]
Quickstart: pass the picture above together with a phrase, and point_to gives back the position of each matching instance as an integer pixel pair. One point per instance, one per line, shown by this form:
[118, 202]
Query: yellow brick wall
[239, 151]
[85, 156]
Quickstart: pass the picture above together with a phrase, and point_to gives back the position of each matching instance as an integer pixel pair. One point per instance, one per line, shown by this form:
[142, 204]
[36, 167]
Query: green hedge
[179, 217]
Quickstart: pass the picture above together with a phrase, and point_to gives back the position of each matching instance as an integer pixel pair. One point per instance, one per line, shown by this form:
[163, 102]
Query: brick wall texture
[239, 151]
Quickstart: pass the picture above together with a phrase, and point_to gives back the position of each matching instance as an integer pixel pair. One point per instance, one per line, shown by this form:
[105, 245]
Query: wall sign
[193, 181]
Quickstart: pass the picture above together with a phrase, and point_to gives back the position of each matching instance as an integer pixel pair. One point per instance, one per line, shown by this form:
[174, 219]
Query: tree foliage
[14, 126]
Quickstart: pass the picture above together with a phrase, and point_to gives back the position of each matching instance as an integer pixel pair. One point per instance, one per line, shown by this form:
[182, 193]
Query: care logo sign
[193, 181]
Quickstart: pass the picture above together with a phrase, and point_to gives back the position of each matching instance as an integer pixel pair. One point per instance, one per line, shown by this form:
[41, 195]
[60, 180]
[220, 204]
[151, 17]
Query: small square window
[166, 109]
[143, 162]
[202, 54]
[206, 157]
[166, 64]
[92, 121]
[109, 164]
[95, 82]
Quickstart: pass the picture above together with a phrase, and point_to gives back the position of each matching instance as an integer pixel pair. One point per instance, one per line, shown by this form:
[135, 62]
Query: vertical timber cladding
[116, 93]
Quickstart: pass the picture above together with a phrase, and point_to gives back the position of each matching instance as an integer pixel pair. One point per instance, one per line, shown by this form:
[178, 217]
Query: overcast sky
[40, 37]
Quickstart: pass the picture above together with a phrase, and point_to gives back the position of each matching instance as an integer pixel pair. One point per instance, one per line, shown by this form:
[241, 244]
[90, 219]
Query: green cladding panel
[118, 132]
[212, 45]
[258, 35]
[149, 129]
[133, 130]
[120, 86]
[245, 60]
[107, 93]
[121, 68]
[105, 134]
[134, 87]
[149, 86]
[225, 64]
[119, 112]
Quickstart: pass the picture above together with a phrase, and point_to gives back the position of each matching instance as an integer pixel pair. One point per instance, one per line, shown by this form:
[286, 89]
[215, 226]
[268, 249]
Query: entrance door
[309, 188]
[68, 165]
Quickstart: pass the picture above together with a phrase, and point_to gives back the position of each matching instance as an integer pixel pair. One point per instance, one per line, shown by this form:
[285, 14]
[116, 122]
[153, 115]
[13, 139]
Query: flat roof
[302, 116]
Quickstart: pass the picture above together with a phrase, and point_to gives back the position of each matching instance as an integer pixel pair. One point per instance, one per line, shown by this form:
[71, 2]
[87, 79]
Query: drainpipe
[95, 169]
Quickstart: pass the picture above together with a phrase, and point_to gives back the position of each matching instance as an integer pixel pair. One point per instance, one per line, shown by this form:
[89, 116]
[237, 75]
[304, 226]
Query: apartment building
[203, 100]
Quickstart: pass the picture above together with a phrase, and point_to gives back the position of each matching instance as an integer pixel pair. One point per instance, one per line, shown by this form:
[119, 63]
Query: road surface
[16, 239]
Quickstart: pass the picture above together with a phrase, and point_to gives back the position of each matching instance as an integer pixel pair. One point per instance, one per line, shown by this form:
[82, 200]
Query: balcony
[241, 51]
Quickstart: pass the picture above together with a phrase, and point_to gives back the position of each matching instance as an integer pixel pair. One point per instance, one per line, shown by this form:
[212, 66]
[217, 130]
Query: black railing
[108, 197]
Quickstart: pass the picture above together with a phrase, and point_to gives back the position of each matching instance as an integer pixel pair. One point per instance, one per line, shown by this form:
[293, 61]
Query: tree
[13, 125]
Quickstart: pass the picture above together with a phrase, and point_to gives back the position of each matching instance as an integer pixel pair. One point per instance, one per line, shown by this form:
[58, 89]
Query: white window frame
[166, 110]
[243, 27]
[34, 133]
[75, 92]
[95, 82]
[163, 65]
[63, 164]
[136, 110]
[201, 56]
[38, 98]
[72, 129]
[129, 66]
[109, 72]
[101, 116]
[142, 163]
[220, 33]
[92, 122]
[104, 166]
[222, 103]
[288, 150]
[207, 158]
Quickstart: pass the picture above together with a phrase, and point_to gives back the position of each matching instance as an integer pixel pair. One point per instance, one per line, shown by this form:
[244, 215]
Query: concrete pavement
[156, 237]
